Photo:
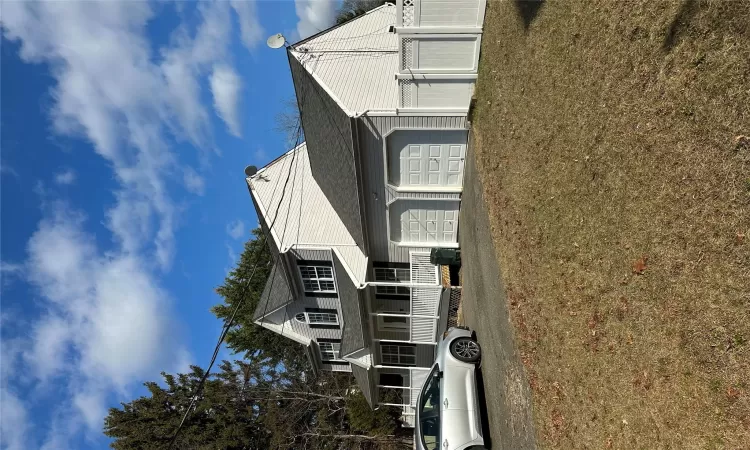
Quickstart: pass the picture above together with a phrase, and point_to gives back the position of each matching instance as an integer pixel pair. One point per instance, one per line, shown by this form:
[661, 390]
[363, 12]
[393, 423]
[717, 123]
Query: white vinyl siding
[305, 303]
[317, 278]
[398, 354]
[446, 53]
[453, 52]
[305, 216]
[435, 93]
[449, 13]
[356, 61]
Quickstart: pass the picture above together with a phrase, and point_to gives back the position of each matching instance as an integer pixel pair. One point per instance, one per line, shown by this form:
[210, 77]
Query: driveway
[485, 310]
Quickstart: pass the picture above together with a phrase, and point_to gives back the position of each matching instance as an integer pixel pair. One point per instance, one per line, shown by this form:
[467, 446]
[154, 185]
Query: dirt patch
[611, 139]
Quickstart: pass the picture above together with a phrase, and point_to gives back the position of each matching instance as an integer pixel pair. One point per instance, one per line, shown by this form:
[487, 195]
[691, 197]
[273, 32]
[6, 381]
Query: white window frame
[402, 358]
[310, 315]
[392, 275]
[304, 269]
[333, 348]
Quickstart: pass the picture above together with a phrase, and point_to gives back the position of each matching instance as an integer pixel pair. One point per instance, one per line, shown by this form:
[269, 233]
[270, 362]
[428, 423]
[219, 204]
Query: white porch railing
[424, 298]
[422, 270]
[425, 301]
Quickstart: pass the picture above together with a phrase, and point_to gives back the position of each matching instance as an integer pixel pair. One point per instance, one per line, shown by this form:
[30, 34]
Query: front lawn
[609, 136]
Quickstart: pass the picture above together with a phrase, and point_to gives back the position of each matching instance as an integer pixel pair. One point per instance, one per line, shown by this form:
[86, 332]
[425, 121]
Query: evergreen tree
[350, 9]
[269, 400]
[256, 343]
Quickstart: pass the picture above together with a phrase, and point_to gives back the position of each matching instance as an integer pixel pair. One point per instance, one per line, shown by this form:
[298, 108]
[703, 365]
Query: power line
[228, 324]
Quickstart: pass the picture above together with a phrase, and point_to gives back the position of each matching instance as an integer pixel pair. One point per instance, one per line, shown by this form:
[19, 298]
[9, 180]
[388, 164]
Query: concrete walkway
[485, 310]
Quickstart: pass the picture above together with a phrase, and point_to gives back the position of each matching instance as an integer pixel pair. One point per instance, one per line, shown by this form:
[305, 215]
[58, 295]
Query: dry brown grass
[607, 132]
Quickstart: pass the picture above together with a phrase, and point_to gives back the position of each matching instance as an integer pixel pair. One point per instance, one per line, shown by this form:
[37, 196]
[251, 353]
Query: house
[351, 214]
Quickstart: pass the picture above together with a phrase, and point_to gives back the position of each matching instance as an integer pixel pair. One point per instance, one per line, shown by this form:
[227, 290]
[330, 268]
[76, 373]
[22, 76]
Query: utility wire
[228, 324]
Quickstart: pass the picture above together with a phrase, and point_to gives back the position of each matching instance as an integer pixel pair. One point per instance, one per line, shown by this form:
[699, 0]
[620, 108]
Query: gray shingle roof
[365, 379]
[275, 295]
[353, 334]
[330, 147]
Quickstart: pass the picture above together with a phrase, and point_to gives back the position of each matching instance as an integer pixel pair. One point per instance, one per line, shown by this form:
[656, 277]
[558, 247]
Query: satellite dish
[251, 170]
[276, 41]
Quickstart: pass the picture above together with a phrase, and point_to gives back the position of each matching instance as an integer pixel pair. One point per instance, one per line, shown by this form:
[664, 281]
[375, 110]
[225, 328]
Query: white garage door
[424, 221]
[427, 158]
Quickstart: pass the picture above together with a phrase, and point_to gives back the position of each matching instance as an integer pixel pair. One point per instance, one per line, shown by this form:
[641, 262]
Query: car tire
[466, 350]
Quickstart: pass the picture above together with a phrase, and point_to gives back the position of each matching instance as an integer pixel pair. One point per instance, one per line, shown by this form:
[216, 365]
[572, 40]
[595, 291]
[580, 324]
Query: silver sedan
[448, 416]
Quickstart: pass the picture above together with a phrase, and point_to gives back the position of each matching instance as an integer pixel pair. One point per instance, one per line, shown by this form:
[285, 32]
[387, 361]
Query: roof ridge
[333, 27]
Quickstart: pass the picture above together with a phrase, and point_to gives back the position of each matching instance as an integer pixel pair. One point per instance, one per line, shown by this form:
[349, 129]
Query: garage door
[427, 158]
[424, 221]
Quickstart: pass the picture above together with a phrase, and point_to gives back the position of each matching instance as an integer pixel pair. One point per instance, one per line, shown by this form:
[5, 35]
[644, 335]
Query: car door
[429, 420]
[458, 417]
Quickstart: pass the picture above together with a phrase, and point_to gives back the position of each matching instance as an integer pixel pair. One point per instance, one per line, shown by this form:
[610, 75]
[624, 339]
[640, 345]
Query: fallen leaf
[740, 237]
[640, 265]
[741, 141]
[609, 442]
[732, 393]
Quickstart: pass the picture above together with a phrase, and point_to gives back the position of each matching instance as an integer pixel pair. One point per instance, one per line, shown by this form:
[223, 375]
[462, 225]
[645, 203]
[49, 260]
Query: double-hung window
[392, 275]
[329, 350]
[404, 355]
[317, 278]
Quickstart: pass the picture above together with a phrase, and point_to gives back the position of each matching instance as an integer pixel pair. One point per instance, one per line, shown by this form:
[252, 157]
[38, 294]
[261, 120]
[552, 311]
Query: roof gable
[355, 62]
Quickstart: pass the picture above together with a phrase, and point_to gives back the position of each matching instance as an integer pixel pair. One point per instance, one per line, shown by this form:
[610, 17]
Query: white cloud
[314, 16]
[107, 325]
[6, 169]
[8, 272]
[250, 28]
[109, 89]
[66, 177]
[226, 87]
[236, 229]
[193, 182]
[14, 422]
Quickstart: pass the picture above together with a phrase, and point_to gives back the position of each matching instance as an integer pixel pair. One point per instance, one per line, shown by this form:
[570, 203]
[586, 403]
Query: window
[318, 318]
[405, 355]
[317, 278]
[392, 275]
[428, 413]
[329, 351]
[393, 323]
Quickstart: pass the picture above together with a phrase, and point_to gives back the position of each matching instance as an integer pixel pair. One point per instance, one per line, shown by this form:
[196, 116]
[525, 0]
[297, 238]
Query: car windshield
[429, 412]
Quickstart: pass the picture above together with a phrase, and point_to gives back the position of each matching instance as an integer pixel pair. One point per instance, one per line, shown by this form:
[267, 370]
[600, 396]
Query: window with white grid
[317, 278]
[329, 350]
[318, 318]
[398, 354]
[392, 275]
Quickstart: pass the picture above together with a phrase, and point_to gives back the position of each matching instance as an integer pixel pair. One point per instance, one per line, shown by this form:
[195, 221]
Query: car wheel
[466, 350]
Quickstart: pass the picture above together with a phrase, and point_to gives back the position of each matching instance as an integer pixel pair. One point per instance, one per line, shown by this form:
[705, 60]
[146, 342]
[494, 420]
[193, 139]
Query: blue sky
[126, 127]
